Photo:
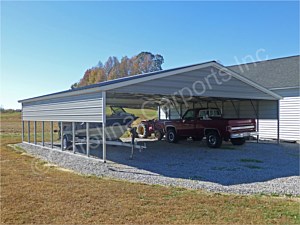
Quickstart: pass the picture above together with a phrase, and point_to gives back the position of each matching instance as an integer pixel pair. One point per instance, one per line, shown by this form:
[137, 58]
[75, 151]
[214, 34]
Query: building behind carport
[202, 84]
[282, 77]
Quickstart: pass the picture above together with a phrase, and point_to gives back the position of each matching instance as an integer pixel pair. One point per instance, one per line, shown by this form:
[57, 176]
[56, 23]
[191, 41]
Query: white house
[282, 77]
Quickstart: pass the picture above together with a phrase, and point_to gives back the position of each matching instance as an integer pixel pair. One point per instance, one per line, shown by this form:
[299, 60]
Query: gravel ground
[249, 169]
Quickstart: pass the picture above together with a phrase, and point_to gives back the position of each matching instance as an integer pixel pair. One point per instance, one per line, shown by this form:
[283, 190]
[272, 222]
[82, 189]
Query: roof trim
[283, 88]
[122, 82]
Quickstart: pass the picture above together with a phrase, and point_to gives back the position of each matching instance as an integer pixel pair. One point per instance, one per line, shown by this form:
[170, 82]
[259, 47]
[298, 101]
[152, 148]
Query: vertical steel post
[73, 137]
[61, 136]
[87, 138]
[159, 112]
[34, 132]
[278, 122]
[180, 110]
[28, 126]
[257, 124]
[222, 108]
[51, 133]
[22, 130]
[43, 131]
[104, 125]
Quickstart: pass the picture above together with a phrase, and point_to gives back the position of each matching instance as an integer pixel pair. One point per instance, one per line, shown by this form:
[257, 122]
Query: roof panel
[275, 73]
[211, 76]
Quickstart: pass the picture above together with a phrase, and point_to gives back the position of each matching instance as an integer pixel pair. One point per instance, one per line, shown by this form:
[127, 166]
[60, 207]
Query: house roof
[274, 73]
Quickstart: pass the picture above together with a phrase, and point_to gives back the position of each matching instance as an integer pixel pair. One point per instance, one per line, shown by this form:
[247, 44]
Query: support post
[87, 139]
[73, 137]
[257, 124]
[22, 130]
[235, 109]
[158, 112]
[222, 107]
[28, 126]
[34, 132]
[256, 111]
[180, 110]
[51, 133]
[43, 131]
[278, 122]
[104, 125]
[61, 136]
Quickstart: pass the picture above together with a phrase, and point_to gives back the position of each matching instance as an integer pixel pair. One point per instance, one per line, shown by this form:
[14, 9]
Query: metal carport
[205, 83]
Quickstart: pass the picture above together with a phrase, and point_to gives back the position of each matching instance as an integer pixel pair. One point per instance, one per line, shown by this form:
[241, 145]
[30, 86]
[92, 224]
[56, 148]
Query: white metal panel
[267, 129]
[78, 108]
[197, 83]
[289, 121]
[290, 118]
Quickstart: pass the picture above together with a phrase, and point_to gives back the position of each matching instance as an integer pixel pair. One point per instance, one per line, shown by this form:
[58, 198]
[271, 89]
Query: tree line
[144, 62]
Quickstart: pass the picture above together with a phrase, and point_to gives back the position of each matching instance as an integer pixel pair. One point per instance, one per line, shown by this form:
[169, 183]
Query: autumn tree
[144, 62]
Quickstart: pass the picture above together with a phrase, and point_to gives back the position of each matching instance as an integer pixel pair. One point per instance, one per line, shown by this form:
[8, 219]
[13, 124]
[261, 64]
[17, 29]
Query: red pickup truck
[202, 122]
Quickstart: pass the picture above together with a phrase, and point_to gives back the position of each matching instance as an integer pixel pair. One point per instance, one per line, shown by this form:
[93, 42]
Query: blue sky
[47, 46]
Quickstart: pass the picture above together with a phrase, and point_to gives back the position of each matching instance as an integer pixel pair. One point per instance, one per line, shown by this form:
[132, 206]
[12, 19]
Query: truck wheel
[66, 143]
[171, 136]
[213, 139]
[158, 134]
[142, 131]
[238, 141]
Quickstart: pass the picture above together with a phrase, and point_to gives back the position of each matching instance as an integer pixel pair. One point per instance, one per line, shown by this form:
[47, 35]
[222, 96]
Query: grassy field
[49, 195]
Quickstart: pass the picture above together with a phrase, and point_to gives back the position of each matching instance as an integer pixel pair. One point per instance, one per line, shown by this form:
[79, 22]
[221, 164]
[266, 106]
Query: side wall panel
[289, 121]
[79, 108]
[290, 118]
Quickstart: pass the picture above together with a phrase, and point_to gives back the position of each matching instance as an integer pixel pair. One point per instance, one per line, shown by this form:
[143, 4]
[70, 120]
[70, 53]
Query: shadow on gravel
[229, 165]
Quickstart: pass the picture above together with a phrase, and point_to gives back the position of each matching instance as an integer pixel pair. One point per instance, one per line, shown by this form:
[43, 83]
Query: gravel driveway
[252, 168]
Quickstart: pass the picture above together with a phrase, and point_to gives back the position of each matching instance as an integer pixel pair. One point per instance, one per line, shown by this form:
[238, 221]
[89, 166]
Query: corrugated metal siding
[267, 129]
[289, 121]
[79, 108]
[290, 118]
